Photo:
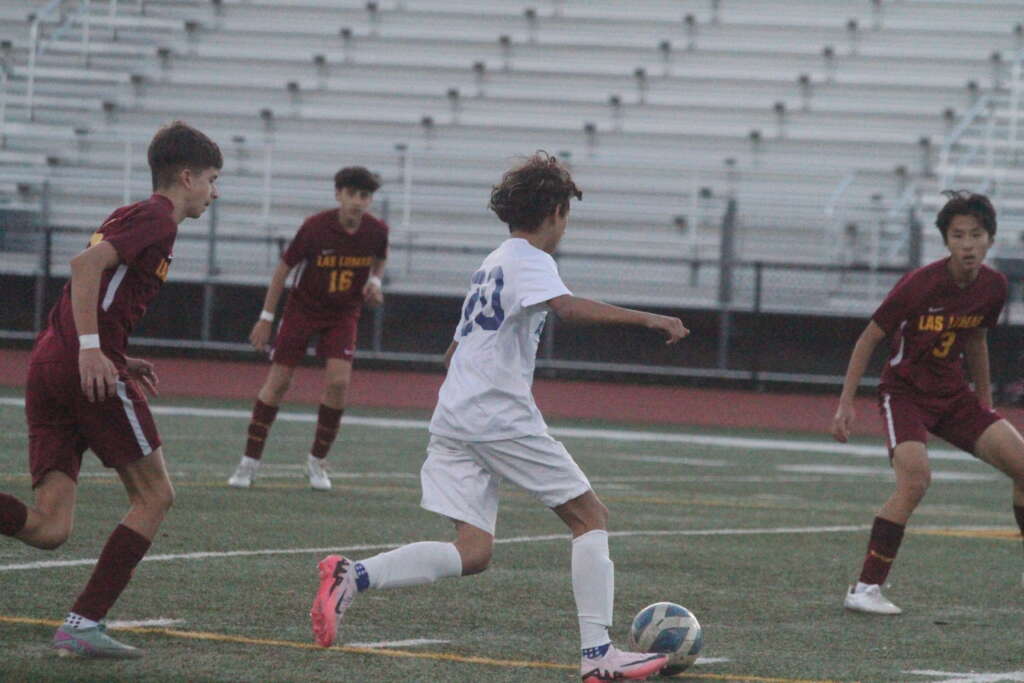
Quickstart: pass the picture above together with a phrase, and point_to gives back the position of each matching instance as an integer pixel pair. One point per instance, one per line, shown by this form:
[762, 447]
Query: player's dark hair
[966, 203]
[357, 178]
[532, 191]
[176, 146]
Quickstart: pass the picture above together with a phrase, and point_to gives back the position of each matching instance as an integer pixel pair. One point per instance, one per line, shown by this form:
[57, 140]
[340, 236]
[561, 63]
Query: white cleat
[616, 665]
[318, 478]
[870, 600]
[244, 473]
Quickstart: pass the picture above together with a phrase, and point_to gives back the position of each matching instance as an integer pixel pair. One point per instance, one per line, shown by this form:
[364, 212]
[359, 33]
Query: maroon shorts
[62, 423]
[336, 338]
[960, 419]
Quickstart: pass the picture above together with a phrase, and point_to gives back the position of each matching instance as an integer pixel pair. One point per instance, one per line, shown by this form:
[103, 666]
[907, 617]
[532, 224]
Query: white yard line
[412, 642]
[52, 564]
[937, 475]
[627, 435]
[973, 677]
[156, 623]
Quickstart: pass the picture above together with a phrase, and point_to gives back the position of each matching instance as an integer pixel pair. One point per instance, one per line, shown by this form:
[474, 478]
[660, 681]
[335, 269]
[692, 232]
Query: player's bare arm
[260, 335]
[373, 290]
[976, 353]
[845, 415]
[142, 372]
[97, 372]
[449, 353]
[574, 309]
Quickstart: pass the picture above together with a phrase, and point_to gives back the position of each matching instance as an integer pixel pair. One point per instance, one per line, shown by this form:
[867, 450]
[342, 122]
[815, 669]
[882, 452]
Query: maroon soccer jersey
[927, 318]
[143, 235]
[335, 264]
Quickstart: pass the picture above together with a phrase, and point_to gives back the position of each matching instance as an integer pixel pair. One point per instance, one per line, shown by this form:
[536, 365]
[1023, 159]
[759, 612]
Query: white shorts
[460, 478]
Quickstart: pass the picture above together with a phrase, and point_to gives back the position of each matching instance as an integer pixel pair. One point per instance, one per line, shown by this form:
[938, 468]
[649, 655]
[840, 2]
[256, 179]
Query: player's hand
[142, 372]
[671, 327]
[260, 335]
[98, 374]
[842, 422]
[373, 295]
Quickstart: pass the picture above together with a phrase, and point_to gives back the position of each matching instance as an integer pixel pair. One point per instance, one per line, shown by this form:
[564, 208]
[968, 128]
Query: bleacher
[664, 109]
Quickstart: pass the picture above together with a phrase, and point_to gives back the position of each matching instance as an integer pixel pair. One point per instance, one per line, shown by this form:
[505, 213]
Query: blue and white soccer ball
[670, 629]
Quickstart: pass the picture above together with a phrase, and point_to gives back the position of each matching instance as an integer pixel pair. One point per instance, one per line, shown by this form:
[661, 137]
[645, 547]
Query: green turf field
[759, 540]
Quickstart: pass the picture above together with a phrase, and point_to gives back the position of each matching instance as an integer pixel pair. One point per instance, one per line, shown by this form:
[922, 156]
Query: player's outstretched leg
[91, 641]
[336, 592]
[610, 664]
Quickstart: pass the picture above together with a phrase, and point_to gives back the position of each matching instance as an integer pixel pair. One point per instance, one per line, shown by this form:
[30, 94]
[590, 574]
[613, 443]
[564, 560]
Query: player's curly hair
[358, 178]
[176, 146]
[966, 203]
[532, 191]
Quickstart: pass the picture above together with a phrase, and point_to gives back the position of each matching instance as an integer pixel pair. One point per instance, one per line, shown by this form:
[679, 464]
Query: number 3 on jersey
[946, 340]
[485, 298]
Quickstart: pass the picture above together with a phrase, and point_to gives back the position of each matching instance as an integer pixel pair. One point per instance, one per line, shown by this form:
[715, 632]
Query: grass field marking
[958, 677]
[1004, 534]
[385, 652]
[970, 532]
[163, 621]
[887, 472]
[631, 436]
[52, 564]
[412, 642]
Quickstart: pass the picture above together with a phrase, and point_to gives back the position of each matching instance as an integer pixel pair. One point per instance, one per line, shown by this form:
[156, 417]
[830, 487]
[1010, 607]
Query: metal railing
[956, 157]
[746, 293]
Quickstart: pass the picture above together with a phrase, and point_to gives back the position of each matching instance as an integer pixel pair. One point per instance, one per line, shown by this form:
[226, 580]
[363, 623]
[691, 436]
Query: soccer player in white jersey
[486, 427]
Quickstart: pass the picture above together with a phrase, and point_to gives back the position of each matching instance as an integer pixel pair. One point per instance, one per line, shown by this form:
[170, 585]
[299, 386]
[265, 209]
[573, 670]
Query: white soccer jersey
[487, 394]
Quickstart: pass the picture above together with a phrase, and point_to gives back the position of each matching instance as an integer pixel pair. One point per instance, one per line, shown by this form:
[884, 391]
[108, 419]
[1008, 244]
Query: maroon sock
[882, 547]
[327, 420]
[13, 515]
[259, 426]
[1018, 512]
[124, 549]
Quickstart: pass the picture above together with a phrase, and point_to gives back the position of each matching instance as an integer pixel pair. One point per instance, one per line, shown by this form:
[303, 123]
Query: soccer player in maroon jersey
[935, 317]
[84, 391]
[340, 255]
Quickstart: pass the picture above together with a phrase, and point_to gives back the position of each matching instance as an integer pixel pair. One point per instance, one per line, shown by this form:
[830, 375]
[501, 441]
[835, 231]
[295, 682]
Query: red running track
[557, 398]
[620, 402]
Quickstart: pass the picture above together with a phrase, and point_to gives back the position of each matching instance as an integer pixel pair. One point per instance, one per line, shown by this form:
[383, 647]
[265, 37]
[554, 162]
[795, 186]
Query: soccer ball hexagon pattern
[670, 629]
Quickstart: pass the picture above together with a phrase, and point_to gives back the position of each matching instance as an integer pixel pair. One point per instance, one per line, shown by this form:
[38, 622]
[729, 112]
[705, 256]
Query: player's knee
[595, 516]
[53, 536]
[165, 499]
[476, 561]
[337, 387]
[158, 500]
[278, 390]
[917, 485]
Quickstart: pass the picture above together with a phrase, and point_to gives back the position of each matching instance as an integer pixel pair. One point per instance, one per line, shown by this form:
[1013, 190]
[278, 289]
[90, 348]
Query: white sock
[593, 585]
[251, 462]
[413, 564]
[78, 621]
[861, 587]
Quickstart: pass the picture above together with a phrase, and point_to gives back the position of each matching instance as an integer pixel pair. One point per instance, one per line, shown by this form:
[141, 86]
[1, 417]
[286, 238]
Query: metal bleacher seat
[657, 104]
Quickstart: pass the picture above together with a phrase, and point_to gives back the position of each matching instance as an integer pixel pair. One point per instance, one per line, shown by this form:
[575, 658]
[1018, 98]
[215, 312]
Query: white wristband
[88, 341]
[267, 315]
[374, 280]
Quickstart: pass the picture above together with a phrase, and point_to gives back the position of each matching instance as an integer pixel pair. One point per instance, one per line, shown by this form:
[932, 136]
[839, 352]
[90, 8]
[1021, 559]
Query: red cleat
[336, 592]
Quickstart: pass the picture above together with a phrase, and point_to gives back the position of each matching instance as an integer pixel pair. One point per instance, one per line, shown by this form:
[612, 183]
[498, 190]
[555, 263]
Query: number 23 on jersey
[483, 304]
